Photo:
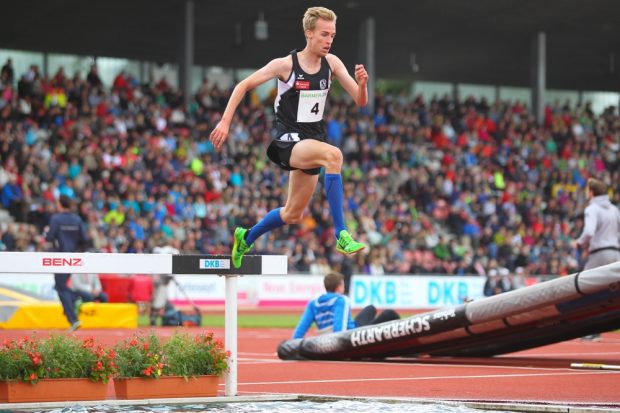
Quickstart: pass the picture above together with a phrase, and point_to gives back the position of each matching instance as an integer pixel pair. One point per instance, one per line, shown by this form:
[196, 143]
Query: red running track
[540, 375]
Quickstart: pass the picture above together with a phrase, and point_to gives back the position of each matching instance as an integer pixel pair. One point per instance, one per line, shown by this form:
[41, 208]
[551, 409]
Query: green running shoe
[348, 245]
[240, 248]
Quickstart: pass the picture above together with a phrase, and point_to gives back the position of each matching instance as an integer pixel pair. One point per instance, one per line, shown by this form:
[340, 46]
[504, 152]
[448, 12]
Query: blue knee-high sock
[270, 221]
[333, 189]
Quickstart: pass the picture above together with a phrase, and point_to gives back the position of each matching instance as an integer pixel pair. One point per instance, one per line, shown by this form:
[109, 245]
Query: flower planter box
[52, 390]
[165, 387]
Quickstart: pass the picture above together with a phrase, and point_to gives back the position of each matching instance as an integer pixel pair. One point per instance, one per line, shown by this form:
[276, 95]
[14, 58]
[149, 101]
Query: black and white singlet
[300, 103]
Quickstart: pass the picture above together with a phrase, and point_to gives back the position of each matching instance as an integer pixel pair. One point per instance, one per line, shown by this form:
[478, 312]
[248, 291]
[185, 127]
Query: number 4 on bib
[311, 105]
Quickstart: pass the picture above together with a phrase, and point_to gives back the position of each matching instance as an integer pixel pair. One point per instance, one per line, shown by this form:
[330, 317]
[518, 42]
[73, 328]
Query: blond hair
[314, 13]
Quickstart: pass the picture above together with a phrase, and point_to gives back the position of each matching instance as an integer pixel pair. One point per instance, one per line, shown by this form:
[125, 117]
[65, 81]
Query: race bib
[311, 105]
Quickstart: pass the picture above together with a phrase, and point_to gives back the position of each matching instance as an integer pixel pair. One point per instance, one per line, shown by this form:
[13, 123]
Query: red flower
[35, 358]
[100, 351]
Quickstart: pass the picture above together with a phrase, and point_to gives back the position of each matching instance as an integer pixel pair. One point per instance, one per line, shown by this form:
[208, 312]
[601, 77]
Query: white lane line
[246, 363]
[264, 335]
[256, 361]
[247, 353]
[483, 376]
[579, 343]
[574, 354]
[403, 364]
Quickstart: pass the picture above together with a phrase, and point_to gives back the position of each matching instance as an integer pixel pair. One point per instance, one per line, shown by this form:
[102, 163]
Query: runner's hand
[361, 76]
[219, 134]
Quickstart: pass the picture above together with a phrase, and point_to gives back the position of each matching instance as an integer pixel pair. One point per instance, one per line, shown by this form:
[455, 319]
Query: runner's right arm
[273, 69]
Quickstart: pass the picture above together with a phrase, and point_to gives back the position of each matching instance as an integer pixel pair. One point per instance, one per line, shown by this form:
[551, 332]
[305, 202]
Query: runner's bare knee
[334, 160]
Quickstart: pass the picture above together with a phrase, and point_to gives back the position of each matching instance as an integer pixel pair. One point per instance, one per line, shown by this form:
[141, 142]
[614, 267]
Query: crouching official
[331, 312]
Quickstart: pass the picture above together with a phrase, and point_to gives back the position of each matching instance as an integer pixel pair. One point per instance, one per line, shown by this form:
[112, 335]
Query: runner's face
[321, 38]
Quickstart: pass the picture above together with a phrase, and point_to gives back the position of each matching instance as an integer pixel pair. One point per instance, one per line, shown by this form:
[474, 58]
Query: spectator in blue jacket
[331, 312]
[12, 198]
[67, 233]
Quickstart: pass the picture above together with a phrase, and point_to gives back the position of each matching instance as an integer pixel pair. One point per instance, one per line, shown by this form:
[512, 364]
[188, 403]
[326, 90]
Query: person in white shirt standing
[601, 230]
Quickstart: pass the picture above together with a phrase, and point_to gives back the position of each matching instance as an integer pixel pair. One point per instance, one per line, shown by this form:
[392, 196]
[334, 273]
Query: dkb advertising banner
[414, 292]
[295, 290]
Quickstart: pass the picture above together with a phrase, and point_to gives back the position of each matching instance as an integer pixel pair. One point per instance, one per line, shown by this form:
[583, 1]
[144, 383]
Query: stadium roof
[465, 41]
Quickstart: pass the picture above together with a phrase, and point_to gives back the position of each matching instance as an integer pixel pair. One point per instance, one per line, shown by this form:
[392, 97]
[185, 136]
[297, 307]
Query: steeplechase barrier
[152, 264]
[560, 309]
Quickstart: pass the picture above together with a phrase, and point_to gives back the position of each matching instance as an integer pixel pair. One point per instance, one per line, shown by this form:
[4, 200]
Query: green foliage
[21, 360]
[62, 358]
[32, 359]
[140, 356]
[182, 355]
[195, 356]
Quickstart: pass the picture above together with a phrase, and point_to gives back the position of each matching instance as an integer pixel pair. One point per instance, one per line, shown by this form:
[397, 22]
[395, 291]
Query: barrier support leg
[230, 333]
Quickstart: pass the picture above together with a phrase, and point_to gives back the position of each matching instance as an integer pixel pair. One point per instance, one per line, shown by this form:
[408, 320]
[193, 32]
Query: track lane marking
[572, 354]
[483, 376]
[242, 360]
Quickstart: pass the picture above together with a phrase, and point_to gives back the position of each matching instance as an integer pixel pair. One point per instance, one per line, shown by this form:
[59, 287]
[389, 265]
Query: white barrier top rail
[118, 263]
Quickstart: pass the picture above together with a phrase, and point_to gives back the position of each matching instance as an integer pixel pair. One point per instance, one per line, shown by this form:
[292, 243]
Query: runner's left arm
[357, 87]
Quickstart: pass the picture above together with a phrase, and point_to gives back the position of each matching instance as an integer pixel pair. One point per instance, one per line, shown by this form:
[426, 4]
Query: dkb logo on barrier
[214, 264]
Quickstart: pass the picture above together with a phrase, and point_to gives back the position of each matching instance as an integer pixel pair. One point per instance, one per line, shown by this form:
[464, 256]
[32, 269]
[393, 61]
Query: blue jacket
[67, 232]
[10, 192]
[331, 312]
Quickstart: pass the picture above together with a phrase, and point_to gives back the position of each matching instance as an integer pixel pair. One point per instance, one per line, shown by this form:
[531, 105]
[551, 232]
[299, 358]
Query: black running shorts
[279, 152]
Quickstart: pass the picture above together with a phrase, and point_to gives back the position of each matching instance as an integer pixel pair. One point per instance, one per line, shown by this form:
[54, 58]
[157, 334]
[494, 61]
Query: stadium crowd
[448, 186]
